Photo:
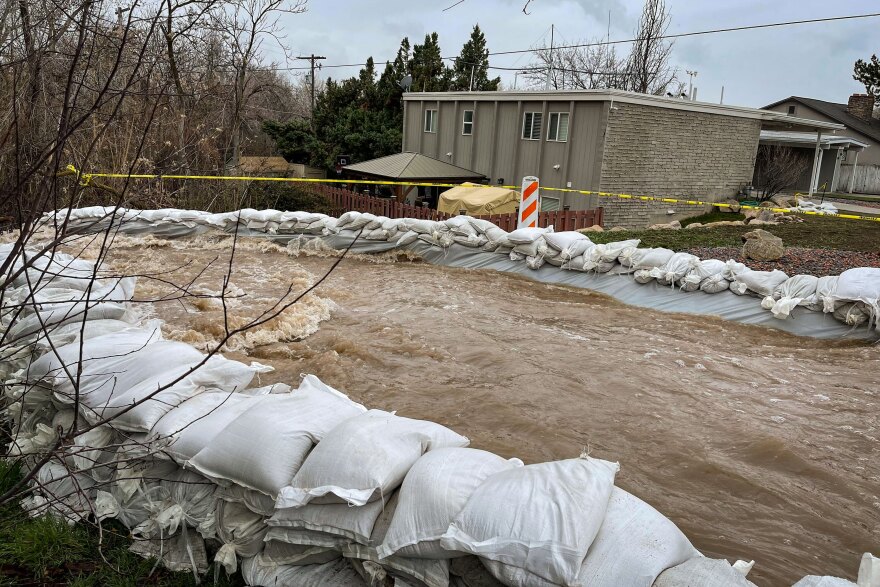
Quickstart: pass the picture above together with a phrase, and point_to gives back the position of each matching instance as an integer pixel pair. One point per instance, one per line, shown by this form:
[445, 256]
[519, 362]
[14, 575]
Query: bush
[286, 197]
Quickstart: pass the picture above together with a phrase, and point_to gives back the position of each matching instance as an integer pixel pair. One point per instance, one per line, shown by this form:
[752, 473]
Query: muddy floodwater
[759, 445]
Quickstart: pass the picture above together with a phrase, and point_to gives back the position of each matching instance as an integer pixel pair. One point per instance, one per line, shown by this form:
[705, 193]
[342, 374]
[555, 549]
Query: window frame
[792, 109]
[551, 126]
[433, 118]
[465, 123]
[531, 116]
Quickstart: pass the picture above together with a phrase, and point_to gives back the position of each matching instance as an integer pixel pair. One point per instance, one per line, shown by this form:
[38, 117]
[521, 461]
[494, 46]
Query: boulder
[594, 228]
[783, 201]
[783, 219]
[760, 245]
[757, 222]
[767, 204]
[694, 225]
[724, 223]
[751, 213]
[674, 225]
[616, 229]
[733, 206]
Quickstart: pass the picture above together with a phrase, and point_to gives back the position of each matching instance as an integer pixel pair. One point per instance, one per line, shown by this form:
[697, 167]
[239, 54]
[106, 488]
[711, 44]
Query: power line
[635, 39]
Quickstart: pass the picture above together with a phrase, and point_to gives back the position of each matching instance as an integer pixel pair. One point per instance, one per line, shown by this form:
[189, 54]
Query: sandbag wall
[852, 298]
[299, 487]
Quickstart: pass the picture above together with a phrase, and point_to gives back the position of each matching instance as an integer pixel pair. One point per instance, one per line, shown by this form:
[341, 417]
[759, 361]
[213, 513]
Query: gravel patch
[797, 260]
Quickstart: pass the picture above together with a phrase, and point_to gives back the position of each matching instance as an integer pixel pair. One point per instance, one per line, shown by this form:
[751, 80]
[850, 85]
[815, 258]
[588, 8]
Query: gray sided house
[857, 169]
[598, 140]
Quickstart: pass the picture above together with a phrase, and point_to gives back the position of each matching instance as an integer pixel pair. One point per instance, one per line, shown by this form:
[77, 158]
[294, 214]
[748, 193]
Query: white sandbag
[537, 520]
[468, 571]
[63, 313]
[192, 424]
[461, 226]
[643, 276]
[535, 263]
[646, 258]
[702, 572]
[419, 226]
[497, 235]
[241, 531]
[733, 268]
[346, 219]
[364, 458]
[701, 270]
[824, 298]
[192, 501]
[358, 222]
[678, 265]
[150, 405]
[282, 553]
[524, 236]
[577, 249]
[817, 581]
[419, 572]
[531, 248]
[407, 238]
[257, 502]
[181, 553]
[433, 493]
[714, 284]
[859, 285]
[763, 283]
[263, 448]
[634, 545]
[473, 241]
[575, 263]
[611, 251]
[326, 525]
[563, 240]
[852, 313]
[68, 333]
[338, 573]
[869, 571]
[482, 225]
[600, 266]
[796, 291]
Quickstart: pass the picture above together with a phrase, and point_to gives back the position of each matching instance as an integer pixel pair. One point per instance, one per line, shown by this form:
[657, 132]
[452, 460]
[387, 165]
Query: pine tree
[428, 70]
[473, 61]
[868, 73]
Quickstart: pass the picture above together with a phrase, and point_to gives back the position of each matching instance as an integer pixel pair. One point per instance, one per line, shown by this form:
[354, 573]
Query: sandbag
[714, 284]
[434, 491]
[263, 448]
[824, 298]
[861, 284]
[418, 572]
[524, 236]
[852, 313]
[763, 283]
[795, 291]
[241, 531]
[529, 249]
[326, 525]
[702, 572]
[561, 241]
[338, 573]
[283, 553]
[678, 265]
[700, 271]
[645, 258]
[364, 458]
[643, 276]
[538, 520]
[611, 251]
[817, 581]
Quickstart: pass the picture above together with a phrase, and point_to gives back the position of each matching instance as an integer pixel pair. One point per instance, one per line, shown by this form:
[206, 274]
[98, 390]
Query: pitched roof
[837, 112]
[412, 166]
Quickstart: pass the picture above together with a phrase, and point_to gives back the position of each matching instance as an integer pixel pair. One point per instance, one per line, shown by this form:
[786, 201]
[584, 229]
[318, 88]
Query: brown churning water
[759, 445]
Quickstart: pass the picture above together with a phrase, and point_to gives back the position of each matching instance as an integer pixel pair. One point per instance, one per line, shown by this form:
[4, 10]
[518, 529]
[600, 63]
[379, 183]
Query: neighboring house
[859, 170]
[273, 166]
[598, 140]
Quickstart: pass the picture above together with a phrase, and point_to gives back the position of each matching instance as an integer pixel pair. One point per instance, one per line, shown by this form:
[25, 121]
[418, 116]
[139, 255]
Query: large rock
[733, 206]
[594, 228]
[783, 201]
[674, 225]
[616, 229]
[694, 225]
[760, 245]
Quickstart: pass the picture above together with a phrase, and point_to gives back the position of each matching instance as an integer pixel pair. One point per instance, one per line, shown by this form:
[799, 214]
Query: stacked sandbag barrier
[852, 298]
[305, 487]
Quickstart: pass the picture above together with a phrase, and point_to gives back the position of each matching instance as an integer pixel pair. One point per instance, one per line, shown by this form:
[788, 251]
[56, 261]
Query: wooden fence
[343, 200]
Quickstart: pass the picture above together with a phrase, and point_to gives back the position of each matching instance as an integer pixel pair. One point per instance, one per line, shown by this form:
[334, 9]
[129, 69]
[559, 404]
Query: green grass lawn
[47, 552]
[814, 232]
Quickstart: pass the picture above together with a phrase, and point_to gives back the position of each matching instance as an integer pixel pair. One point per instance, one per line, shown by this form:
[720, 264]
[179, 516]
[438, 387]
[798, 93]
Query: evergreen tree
[473, 62]
[868, 73]
[428, 70]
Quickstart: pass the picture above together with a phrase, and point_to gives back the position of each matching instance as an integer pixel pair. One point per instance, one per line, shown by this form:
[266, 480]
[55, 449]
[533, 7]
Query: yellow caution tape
[86, 178]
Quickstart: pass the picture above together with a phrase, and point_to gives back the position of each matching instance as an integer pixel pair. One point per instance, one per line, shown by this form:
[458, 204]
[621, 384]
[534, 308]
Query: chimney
[861, 106]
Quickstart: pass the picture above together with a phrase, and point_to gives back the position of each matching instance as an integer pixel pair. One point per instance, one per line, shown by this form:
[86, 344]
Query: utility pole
[691, 75]
[311, 59]
[550, 69]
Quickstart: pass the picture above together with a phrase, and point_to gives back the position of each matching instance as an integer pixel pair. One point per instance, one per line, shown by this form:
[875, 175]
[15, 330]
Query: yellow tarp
[477, 200]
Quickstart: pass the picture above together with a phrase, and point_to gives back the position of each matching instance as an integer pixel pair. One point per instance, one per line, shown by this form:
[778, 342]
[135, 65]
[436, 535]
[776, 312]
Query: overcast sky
[755, 67]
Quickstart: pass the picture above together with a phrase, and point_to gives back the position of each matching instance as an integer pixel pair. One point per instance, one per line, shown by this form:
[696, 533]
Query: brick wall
[673, 153]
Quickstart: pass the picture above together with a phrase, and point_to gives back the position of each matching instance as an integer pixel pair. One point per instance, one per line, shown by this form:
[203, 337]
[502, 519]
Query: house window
[791, 110]
[430, 121]
[557, 130]
[532, 126]
[467, 122]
